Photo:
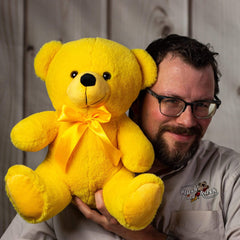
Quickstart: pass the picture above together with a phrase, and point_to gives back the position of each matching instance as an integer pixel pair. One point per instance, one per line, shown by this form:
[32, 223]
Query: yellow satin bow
[82, 120]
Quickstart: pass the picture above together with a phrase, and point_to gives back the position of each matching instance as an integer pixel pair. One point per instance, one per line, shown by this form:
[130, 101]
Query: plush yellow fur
[92, 143]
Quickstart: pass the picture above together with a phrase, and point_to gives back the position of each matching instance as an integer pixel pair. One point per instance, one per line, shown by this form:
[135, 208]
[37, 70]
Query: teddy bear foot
[141, 206]
[25, 192]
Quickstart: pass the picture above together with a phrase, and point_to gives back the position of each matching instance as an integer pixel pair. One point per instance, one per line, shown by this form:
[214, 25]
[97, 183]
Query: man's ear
[44, 58]
[148, 67]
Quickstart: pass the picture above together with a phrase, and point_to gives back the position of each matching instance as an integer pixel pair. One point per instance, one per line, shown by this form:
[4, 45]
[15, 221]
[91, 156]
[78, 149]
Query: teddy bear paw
[141, 206]
[25, 192]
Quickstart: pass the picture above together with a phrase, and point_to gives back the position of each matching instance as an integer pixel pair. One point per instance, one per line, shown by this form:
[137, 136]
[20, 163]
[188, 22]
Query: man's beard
[176, 157]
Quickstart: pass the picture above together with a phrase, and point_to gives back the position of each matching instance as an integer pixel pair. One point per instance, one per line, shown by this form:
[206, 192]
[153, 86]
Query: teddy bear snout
[88, 80]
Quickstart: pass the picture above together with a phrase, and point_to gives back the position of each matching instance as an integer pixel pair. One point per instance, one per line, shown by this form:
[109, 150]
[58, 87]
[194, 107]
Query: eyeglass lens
[174, 107]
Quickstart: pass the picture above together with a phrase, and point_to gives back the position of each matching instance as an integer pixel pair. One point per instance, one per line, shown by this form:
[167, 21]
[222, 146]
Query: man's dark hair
[190, 50]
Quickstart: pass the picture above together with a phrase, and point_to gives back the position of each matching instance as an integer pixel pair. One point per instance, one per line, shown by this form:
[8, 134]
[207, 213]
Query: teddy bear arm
[35, 132]
[138, 153]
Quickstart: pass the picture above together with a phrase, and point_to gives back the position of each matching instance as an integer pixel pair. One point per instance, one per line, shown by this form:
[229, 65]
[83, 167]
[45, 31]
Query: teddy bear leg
[136, 201]
[31, 196]
[24, 191]
[143, 200]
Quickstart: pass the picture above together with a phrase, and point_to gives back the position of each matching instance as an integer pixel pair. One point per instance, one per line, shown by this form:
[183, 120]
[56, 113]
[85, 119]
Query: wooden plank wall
[27, 24]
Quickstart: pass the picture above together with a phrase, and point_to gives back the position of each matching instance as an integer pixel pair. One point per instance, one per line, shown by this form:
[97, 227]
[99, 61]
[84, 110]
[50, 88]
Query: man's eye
[172, 101]
[203, 105]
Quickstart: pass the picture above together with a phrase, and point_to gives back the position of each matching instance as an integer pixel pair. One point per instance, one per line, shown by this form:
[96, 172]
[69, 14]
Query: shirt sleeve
[21, 230]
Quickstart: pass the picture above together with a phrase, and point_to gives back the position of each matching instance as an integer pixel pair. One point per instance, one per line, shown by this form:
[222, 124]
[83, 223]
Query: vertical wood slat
[218, 22]
[104, 26]
[11, 92]
[137, 23]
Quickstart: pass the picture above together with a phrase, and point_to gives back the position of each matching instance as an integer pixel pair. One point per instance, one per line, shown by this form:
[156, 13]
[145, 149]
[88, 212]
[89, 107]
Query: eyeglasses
[174, 107]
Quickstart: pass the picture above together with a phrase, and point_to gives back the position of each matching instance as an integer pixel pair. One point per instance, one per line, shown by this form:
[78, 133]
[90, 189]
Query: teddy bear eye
[74, 74]
[106, 75]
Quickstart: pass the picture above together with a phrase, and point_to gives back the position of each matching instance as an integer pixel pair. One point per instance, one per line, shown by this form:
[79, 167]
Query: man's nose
[186, 118]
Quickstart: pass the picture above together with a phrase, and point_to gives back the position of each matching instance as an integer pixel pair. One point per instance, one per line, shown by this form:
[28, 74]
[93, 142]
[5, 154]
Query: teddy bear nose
[88, 80]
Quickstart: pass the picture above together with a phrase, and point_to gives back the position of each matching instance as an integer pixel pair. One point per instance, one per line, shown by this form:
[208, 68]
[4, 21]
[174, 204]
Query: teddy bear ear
[44, 58]
[148, 67]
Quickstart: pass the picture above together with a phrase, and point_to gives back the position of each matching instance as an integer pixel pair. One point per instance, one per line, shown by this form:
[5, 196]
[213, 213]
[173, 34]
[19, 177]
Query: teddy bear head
[94, 72]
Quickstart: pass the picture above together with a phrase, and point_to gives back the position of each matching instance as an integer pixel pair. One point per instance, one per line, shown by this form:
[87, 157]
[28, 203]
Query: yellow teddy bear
[92, 143]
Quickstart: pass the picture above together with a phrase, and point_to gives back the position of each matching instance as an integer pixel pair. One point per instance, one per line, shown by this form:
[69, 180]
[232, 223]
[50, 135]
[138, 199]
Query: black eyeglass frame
[217, 101]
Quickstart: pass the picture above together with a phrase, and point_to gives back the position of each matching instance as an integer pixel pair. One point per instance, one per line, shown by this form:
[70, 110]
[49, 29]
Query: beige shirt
[201, 201]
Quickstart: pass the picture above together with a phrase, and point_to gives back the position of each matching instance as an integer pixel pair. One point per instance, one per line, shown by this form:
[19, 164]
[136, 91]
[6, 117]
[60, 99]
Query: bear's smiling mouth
[94, 103]
[101, 100]
[95, 100]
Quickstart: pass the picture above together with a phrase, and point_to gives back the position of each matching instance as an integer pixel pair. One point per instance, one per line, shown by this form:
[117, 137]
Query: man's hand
[103, 218]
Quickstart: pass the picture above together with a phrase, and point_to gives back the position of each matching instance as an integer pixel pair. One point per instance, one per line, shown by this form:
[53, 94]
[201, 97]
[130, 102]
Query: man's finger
[102, 208]
[88, 212]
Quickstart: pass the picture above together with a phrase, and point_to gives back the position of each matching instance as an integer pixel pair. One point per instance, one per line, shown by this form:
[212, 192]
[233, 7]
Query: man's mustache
[181, 130]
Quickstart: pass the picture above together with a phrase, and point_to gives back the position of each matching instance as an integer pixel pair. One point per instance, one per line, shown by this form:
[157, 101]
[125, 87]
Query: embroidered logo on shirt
[195, 192]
